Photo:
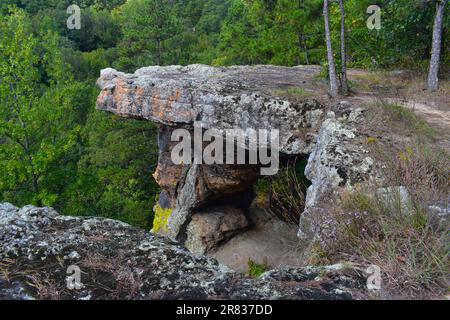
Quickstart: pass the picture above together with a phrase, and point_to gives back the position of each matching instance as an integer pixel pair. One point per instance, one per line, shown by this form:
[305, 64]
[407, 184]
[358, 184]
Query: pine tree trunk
[433, 76]
[302, 39]
[331, 64]
[158, 43]
[302, 46]
[344, 84]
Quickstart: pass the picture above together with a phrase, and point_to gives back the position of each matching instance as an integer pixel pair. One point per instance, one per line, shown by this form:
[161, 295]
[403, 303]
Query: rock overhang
[240, 97]
[214, 98]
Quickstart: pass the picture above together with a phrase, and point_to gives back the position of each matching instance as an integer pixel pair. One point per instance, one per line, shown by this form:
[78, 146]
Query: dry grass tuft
[45, 287]
[114, 276]
[400, 121]
[397, 230]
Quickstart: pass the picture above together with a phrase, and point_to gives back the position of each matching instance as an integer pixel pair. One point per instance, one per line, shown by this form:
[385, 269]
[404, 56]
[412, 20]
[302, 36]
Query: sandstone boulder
[338, 159]
[209, 229]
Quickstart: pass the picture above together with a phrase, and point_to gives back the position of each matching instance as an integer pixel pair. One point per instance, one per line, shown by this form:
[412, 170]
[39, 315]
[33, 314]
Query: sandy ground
[270, 242]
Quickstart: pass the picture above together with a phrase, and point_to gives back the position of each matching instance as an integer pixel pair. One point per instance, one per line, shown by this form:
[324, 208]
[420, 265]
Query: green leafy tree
[30, 6]
[98, 30]
[115, 173]
[146, 27]
[37, 113]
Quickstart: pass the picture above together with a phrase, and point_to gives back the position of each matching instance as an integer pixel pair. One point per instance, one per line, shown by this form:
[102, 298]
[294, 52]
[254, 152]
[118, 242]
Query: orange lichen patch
[102, 98]
[164, 108]
[140, 91]
[121, 94]
[139, 96]
[128, 100]
[158, 108]
[173, 98]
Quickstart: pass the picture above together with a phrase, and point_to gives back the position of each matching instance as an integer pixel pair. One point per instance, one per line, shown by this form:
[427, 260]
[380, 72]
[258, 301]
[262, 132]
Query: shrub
[255, 269]
[284, 195]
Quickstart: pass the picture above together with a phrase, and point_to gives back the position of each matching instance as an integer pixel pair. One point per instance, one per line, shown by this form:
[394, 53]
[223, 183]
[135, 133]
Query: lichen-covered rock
[395, 197]
[220, 98]
[339, 159]
[40, 249]
[244, 97]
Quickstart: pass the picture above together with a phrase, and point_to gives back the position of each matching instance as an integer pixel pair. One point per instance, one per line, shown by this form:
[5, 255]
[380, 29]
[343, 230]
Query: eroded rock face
[118, 261]
[236, 98]
[338, 159]
[210, 228]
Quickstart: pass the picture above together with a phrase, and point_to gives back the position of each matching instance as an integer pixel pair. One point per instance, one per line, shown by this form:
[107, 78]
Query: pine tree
[344, 82]
[333, 90]
[433, 76]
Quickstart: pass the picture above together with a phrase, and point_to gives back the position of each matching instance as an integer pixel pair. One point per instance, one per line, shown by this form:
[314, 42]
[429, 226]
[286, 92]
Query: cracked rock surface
[118, 261]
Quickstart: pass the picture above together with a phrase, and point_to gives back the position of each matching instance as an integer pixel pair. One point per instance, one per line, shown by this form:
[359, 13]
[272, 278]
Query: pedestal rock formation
[242, 98]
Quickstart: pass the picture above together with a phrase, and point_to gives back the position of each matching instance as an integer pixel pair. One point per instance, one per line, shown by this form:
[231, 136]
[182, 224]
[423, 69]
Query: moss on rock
[161, 220]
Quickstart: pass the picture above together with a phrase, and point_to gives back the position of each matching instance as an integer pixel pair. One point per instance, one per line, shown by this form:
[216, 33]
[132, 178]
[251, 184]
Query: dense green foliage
[56, 150]
[38, 116]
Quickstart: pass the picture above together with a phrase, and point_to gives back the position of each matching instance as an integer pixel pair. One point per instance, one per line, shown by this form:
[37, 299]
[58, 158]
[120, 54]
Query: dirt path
[399, 87]
[435, 117]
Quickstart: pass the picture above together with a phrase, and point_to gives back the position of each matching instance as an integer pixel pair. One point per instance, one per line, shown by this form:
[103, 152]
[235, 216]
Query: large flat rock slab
[244, 97]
